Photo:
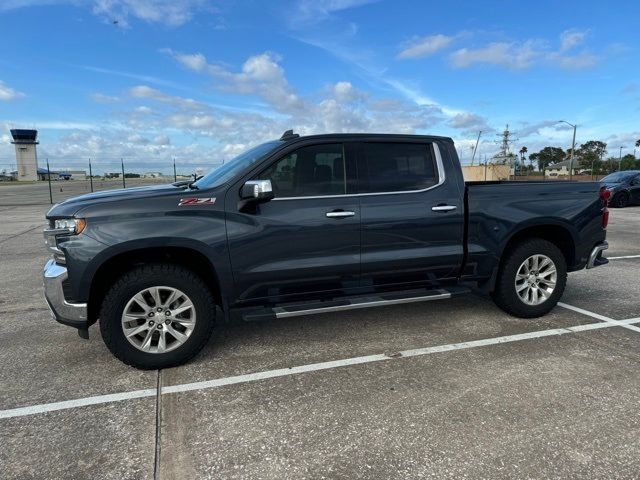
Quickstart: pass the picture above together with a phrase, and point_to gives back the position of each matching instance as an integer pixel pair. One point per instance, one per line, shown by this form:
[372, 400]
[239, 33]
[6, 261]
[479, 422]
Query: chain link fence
[52, 181]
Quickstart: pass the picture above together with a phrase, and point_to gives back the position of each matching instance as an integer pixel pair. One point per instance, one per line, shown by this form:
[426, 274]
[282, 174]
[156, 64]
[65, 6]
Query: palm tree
[523, 151]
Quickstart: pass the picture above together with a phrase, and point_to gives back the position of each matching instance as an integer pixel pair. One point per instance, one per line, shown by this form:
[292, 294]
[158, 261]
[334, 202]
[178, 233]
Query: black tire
[621, 200]
[505, 295]
[147, 276]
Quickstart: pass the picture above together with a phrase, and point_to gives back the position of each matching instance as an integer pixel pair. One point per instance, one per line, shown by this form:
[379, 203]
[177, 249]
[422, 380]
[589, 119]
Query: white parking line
[79, 402]
[623, 257]
[619, 323]
[314, 367]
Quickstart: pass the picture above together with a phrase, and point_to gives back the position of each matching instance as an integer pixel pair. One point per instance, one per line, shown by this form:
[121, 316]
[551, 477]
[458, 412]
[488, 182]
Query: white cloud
[260, 75]
[7, 93]
[424, 46]
[134, 76]
[526, 54]
[345, 92]
[343, 107]
[173, 13]
[571, 38]
[470, 123]
[318, 10]
[196, 62]
[105, 99]
[7, 5]
[514, 56]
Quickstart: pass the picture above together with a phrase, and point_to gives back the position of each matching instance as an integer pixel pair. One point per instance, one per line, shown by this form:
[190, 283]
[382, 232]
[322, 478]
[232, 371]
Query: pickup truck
[306, 225]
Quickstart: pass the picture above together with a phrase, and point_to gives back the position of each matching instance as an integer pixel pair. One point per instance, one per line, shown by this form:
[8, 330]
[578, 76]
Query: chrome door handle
[339, 214]
[443, 208]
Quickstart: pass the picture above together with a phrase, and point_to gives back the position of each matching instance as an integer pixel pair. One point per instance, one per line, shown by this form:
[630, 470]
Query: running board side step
[354, 303]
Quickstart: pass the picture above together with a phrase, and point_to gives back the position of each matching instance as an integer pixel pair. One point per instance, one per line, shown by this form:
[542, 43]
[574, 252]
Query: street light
[573, 147]
[620, 159]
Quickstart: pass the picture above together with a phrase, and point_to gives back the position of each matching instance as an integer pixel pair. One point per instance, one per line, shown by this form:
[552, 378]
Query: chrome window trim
[441, 179]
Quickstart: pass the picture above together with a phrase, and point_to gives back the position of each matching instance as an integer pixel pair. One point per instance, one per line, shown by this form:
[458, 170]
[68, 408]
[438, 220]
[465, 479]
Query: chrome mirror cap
[257, 190]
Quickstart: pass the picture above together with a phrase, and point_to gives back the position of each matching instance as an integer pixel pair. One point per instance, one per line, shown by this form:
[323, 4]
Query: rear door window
[397, 167]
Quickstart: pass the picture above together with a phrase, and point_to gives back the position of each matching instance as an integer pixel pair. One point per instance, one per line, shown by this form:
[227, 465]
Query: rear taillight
[604, 196]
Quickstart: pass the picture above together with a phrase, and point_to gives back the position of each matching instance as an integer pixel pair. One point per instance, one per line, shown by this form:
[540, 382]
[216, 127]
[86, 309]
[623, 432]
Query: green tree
[547, 156]
[637, 143]
[523, 152]
[629, 162]
[590, 154]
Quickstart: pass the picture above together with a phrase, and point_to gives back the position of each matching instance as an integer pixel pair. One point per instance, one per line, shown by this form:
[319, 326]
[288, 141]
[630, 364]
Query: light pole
[573, 147]
[620, 160]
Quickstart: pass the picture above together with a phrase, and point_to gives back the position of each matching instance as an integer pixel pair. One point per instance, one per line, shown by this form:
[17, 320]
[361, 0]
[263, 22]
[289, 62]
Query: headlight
[73, 226]
[63, 227]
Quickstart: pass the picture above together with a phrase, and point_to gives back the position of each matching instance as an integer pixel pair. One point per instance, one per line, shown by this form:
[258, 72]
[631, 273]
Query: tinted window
[398, 167]
[617, 177]
[308, 171]
[234, 167]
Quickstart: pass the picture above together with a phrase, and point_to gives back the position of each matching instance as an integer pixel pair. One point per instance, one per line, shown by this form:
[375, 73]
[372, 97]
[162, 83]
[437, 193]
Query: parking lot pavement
[561, 403]
[613, 291]
[109, 441]
[625, 225]
[553, 408]
[44, 362]
[249, 347]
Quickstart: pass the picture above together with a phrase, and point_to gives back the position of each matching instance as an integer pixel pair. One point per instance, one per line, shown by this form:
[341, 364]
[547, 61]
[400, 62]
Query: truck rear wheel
[157, 316]
[531, 279]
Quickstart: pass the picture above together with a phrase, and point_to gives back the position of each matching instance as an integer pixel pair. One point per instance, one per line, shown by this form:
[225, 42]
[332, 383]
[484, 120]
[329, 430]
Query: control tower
[26, 155]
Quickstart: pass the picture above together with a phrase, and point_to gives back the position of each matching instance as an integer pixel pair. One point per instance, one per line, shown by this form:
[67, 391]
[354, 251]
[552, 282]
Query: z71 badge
[184, 202]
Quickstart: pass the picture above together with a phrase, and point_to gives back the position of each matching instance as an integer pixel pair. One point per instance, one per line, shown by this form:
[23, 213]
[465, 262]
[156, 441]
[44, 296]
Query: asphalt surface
[431, 394]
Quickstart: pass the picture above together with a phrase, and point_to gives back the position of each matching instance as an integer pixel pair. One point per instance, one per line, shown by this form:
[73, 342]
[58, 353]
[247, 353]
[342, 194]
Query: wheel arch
[121, 260]
[558, 233]
[561, 235]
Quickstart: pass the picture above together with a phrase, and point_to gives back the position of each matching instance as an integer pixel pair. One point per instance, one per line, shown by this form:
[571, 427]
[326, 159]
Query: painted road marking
[623, 257]
[314, 367]
[599, 317]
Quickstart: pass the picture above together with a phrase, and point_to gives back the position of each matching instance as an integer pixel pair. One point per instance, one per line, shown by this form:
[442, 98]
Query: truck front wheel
[531, 278]
[157, 316]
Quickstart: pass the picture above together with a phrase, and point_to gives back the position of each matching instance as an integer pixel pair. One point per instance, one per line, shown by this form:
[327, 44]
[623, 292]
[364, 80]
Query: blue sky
[202, 80]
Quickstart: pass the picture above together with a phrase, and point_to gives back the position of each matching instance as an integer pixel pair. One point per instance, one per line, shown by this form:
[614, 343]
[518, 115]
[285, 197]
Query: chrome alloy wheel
[158, 319]
[536, 279]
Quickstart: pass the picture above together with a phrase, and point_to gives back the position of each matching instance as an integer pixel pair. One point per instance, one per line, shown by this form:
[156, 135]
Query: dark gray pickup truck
[305, 225]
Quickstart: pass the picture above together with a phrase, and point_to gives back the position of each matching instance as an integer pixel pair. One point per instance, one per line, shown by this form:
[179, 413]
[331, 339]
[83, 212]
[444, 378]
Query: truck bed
[498, 210]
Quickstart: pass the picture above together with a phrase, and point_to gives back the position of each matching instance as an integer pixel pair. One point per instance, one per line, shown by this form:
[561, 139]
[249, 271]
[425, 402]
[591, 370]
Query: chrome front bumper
[595, 258]
[74, 314]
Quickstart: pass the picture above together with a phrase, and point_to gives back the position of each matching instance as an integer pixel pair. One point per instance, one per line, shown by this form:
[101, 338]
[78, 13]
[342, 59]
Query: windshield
[230, 169]
[617, 177]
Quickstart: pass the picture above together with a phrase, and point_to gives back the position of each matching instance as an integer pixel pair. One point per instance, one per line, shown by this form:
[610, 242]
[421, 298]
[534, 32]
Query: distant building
[77, 174]
[26, 154]
[153, 175]
[43, 174]
[491, 171]
[561, 169]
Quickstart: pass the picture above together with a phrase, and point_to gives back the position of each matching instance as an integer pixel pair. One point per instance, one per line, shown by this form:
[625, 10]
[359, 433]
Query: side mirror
[257, 191]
